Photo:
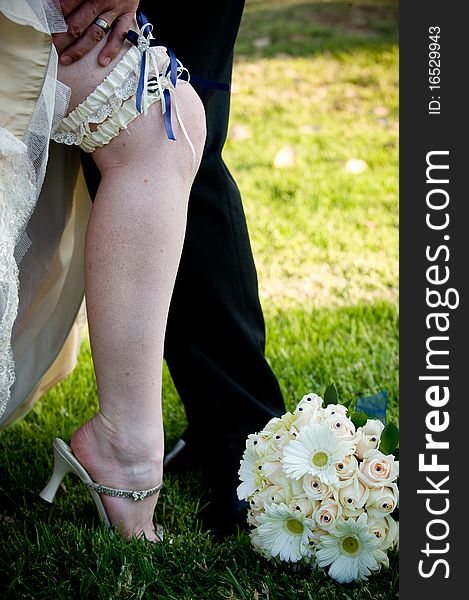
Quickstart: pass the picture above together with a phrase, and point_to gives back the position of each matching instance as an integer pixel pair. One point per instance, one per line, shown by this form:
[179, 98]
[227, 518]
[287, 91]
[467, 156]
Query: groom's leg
[215, 336]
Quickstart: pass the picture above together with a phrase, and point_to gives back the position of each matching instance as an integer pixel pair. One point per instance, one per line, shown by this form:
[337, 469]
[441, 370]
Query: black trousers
[215, 336]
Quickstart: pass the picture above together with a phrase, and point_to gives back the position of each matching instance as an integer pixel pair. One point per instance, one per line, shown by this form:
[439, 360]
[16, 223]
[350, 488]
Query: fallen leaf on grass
[356, 165]
[381, 111]
[309, 129]
[240, 132]
[285, 157]
[291, 73]
[262, 42]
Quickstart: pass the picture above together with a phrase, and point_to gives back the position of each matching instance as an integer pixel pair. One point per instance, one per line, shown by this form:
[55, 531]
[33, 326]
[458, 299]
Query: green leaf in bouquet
[330, 395]
[359, 419]
[389, 438]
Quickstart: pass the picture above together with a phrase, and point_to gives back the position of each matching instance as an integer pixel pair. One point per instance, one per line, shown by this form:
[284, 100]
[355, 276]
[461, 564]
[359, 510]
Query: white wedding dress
[43, 213]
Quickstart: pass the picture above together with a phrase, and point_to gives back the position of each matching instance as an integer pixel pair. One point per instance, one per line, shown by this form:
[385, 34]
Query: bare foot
[125, 462]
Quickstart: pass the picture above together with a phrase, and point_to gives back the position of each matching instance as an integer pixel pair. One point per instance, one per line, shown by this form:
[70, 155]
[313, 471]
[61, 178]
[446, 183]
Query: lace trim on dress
[17, 174]
[22, 170]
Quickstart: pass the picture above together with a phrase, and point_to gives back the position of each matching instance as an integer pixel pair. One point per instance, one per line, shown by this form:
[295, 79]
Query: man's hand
[83, 34]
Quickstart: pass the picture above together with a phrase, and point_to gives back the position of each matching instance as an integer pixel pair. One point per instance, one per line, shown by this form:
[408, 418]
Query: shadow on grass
[310, 28]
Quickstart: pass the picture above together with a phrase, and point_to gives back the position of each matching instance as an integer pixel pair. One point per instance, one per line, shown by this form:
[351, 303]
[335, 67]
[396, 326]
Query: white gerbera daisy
[315, 451]
[251, 475]
[285, 533]
[351, 550]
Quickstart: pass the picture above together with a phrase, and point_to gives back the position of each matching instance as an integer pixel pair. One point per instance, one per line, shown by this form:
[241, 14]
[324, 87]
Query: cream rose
[279, 440]
[272, 470]
[305, 414]
[315, 488]
[257, 501]
[342, 427]
[352, 495]
[382, 501]
[347, 467]
[335, 409]
[368, 437]
[277, 434]
[378, 470]
[311, 400]
[258, 442]
[307, 506]
[276, 494]
[252, 517]
[327, 513]
[277, 424]
[386, 530]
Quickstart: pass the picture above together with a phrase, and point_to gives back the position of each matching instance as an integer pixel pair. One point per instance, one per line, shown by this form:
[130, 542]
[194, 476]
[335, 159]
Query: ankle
[136, 449]
[144, 432]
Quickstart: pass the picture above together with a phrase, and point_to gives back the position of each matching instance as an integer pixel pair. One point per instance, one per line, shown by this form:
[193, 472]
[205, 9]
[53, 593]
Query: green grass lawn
[317, 82]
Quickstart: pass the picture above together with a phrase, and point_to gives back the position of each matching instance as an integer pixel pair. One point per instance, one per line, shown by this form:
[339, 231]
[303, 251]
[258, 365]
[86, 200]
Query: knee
[145, 146]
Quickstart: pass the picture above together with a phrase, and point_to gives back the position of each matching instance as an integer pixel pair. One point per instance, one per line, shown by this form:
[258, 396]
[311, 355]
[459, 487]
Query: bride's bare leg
[133, 245]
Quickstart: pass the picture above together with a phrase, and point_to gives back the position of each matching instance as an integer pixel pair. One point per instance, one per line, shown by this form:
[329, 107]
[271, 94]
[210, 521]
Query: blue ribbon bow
[142, 41]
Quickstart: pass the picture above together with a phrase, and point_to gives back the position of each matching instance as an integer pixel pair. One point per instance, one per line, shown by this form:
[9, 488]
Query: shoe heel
[61, 468]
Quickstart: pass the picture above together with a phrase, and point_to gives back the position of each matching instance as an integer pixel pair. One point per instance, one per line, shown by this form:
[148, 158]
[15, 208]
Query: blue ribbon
[167, 116]
[141, 82]
[172, 68]
[141, 19]
[374, 406]
[208, 83]
[134, 37]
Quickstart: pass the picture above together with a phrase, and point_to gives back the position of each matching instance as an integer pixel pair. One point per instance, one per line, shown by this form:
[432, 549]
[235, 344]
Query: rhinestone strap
[134, 495]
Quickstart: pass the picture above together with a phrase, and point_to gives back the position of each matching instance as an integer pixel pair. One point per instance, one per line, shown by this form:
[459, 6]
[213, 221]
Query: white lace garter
[115, 102]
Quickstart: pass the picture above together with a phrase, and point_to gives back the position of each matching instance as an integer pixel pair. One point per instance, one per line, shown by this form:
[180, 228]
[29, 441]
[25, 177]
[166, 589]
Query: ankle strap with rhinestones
[134, 495]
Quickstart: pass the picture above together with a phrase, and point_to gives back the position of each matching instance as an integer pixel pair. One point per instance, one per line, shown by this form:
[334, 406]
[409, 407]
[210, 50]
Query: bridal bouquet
[321, 488]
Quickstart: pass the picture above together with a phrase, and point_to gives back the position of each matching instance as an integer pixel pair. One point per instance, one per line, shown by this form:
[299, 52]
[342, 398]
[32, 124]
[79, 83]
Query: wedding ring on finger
[103, 24]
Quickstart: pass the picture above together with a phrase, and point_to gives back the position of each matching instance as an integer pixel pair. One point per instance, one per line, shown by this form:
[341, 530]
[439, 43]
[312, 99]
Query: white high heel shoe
[66, 462]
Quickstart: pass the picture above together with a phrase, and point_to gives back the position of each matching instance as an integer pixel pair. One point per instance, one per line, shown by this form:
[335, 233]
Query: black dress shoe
[183, 456]
[223, 514]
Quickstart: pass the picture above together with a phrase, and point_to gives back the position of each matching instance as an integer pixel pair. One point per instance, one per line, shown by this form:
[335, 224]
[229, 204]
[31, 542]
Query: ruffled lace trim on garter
[112, 105]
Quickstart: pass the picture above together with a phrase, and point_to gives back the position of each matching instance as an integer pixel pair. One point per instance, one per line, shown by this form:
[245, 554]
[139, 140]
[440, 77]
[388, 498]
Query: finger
[88, 40]
[116, 39]
[61, 41]
[83, 12]
[79, 21]
[77, 24]
[68, 5]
